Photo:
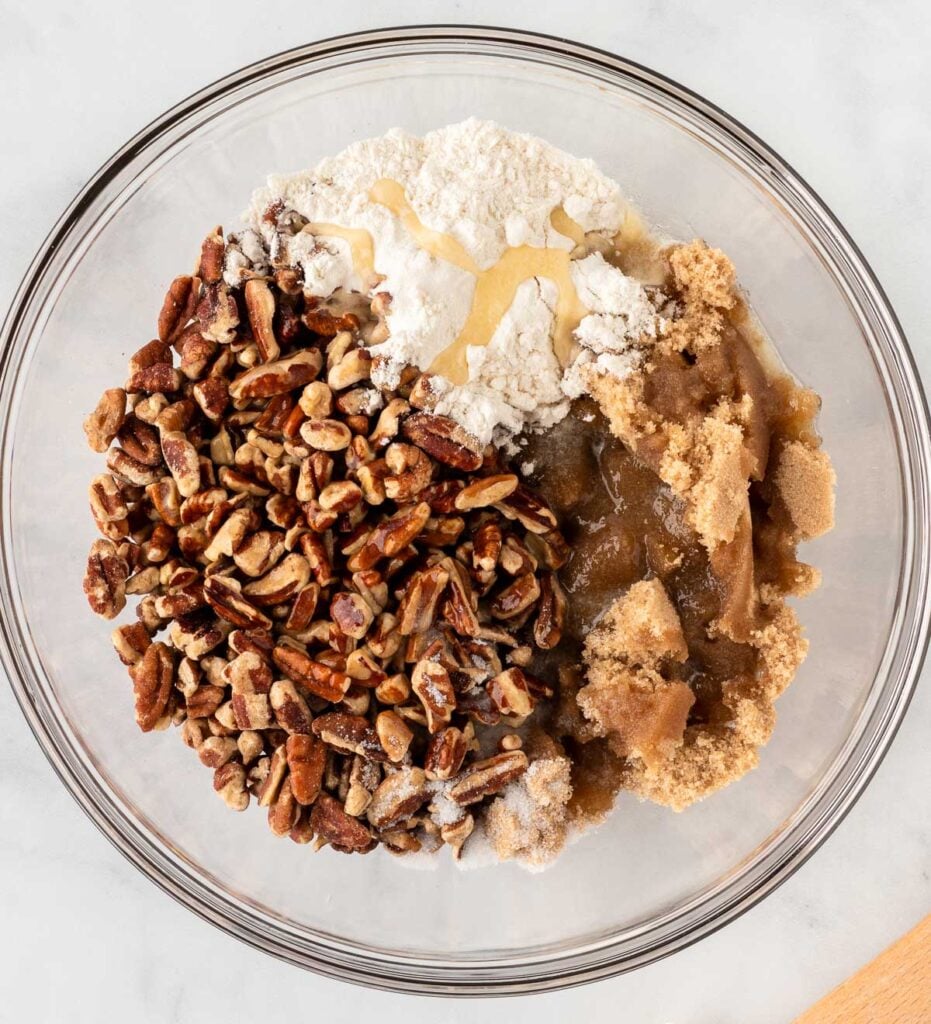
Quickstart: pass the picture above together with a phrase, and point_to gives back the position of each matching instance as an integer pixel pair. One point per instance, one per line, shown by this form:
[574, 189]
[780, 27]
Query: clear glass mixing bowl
[649, 881]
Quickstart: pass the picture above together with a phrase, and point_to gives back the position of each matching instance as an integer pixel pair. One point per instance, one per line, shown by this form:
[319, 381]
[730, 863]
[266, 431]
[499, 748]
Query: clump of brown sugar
[626, 698]
[714, 754]
[805, 479]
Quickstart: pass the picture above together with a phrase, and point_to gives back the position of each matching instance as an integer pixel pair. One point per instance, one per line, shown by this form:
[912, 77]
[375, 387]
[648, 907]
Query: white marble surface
[841, 91]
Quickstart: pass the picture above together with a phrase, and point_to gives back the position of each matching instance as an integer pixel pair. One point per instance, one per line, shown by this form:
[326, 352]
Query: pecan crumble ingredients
[359, 613]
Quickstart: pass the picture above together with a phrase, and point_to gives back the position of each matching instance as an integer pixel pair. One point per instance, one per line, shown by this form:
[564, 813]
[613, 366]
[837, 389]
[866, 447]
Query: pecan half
[153, 679]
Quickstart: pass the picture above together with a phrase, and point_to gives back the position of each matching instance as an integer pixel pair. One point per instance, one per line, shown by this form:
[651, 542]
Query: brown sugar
[806, 479]
[683, 495]
[642, 626]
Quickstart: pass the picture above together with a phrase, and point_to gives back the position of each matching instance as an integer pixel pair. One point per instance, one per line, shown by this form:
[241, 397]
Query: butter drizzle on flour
[471, 230]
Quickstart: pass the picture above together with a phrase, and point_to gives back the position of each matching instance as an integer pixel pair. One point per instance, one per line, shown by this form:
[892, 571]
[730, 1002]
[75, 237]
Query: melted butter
[494, 294]
[494, 288]
[444, 247]
[359, 241]
[565, 225]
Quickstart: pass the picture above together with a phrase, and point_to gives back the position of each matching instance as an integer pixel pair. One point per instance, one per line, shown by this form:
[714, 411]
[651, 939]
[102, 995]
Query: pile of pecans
[348, 588]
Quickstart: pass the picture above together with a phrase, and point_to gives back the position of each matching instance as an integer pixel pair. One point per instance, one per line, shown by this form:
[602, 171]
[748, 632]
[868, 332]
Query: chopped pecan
[196, 351]
[351, 734]
[204, 701]
[515, 557]
[332, 824]
[409, 472]
[303, 608]
[418, 608]
[319, 679]
[306, 756]
[223, 594]
[316, 401]
[445, 753]
[457, 833]
[278, 377]
[125, 467]
[131, 642]
[460, 606]
[351, 614]
[217, 314]
[398, 797]
[394, 690]
[485, 491]
[441, 497]
[178, 307]
[181, 459]
[140, 441]
[529, 510]
[431, 683]
[105, 579]
[517, 597]
[212, 395]
[391, 537]
[159, 377]
[510, 692]
[353, 367]
[483, 778]
[260, 305]
[340, 496]
[108, 507]
[282, 582]
[551, 613]
[291, 710]
[267, 791]
[284, 812]
[549, 549]
[444, 439]
[229, 781]
[393, 734]
[326, 435]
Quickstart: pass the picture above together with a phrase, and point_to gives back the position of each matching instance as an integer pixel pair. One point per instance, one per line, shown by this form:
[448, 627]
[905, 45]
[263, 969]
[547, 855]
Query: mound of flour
[490, 189]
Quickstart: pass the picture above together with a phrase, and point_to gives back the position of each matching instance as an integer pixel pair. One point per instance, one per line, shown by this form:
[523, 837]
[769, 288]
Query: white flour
[488, 188]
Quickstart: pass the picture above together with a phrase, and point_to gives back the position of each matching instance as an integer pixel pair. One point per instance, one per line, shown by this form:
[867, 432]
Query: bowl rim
[517, 973]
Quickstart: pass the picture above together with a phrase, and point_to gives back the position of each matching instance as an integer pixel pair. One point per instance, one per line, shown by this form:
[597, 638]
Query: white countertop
[842, 96]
